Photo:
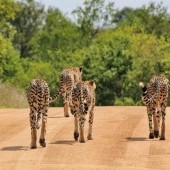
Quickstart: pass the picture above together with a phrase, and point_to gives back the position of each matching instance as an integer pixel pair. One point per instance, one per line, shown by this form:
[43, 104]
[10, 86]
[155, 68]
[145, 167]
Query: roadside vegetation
[10, 97]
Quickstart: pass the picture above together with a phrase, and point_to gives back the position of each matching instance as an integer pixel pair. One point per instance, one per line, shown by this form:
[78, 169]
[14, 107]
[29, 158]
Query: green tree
[8, 11]
[28, 21]
[58, 35]
[149, 57]
[9, 60]
[107, 63]
[154, 17]
[94, 16]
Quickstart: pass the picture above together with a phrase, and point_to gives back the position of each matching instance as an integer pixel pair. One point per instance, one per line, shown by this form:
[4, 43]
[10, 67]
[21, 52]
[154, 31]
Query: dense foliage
[116, 48]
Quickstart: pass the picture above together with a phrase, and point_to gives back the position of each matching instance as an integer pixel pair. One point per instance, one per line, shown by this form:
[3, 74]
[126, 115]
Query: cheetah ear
[80, 69]
[92, 83]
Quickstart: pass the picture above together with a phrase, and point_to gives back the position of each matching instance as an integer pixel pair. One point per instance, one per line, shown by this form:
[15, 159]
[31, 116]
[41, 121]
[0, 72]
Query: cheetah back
[157, 90]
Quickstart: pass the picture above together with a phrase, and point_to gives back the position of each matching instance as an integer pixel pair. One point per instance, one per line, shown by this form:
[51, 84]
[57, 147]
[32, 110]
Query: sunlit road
[120, 142]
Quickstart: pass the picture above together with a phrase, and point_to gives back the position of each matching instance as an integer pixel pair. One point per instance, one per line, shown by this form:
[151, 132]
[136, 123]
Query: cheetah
[68, 78]
[38, 100]
[154, 97]
[83, 102]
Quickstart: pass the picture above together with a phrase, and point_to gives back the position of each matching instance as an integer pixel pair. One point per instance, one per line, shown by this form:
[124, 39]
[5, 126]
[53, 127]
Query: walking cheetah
[68, 78]
[83, 102]
[38, 99]
[154, 97]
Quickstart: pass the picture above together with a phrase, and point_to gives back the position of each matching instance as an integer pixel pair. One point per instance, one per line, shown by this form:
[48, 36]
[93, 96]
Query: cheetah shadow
[137, 139]
[14, 148]
[56, 117]
[64, 142]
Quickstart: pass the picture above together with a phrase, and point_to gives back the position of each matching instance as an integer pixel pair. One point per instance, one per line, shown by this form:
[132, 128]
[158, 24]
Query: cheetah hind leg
[156, 119]
[76, 133]
[91, 116]
[163, 109]
[81, 126]
[33, 138]
[82, 140]
[38, 122]
[66, 108]
[42, 142]
[76, 136]
[151, 136]
[43, 128]
[89, 136]
[150, 113]
[156, 134]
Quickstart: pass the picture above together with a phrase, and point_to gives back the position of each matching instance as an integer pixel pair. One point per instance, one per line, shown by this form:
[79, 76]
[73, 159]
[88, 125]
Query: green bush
[126, 101]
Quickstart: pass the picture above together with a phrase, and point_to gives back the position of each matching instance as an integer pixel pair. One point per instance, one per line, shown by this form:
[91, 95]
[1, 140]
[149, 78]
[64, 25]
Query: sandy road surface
[120, 142]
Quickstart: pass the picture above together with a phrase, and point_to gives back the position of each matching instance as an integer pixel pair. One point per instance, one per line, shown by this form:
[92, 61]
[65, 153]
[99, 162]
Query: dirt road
[120, 142]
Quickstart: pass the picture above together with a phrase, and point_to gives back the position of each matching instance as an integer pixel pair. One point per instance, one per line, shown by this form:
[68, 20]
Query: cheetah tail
[54, 98]
[141, 84]
[144, 88]
[81, 101]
